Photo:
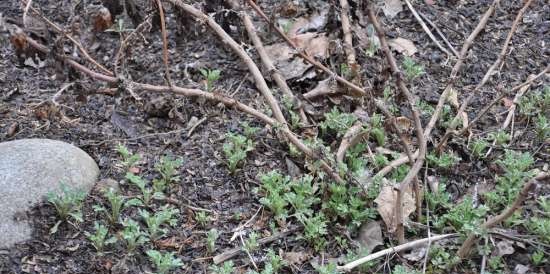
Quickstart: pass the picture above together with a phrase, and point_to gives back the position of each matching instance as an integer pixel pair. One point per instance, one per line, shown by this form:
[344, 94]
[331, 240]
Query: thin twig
[228, 254]
[410, 245]
[348, 39]
[421, 140]
[452, 78]
[268, 64]
[464, 250]
[72, 39]
[164, 43]
[487, 76]
[425, 28]
[352, 136]
[302, 53]
[439, 33]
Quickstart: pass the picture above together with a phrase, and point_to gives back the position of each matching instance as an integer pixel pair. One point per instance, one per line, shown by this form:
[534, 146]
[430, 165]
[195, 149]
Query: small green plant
[132, 235]
[444, 160]
[227, 268]
[202, 218]
[146, 192]
[155, 222]
[273, 186]
[211, 76]
[478, 148]
[99, 238]
[538, 257]
[377, 129]
[495, 264]
[251, 243]
[329, 268]
[345, 203]
[438, 200]
[412, 69]
[168, 169]
[315, 230]
[439, 258]
[129, 159]
[500, 137]
[345, 70]
[211, 238]
[541, 227]
[515, 166]
[425, 108]
[338, 122]
[163, 262]
[302, 197]
[68, 203]
[236, 149]
[248, 130]
[465, 218]
[535, 103]
[542, 127]
[274, 263]
[117, 203]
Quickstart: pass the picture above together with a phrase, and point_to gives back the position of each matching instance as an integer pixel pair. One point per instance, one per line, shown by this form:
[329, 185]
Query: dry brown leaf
[403, 45]
[392, 7]
[403, 123]
[324, 87]
[102, 20]
[386, 205]
[507, 102]
[294, 258]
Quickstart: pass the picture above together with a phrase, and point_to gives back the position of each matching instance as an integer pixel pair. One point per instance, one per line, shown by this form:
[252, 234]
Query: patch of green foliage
[443, 160]
[478, 148]
[164, 262]
[202, 218]
[211, 76]
[516, 172]
[168, 170]
[156, 221]
[464, 217]
[99, 239]
[337, 122]
[227, 268]
[117, 203]
[146, 192]
[236, 149]
[211, 238]
[132, 235]
[399, 269]
[67, 203]
[412, 69]
[129, 159]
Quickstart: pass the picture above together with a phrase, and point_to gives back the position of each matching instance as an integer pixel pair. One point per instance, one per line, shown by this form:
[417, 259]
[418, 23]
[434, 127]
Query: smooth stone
[30, 169]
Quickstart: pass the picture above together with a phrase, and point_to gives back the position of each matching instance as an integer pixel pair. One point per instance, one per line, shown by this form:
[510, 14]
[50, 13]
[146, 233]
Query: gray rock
[29, 169]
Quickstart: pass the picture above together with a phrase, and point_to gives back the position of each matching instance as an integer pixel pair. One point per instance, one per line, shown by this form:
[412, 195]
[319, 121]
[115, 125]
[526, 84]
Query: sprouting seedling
[156, 221]
[99, 238]
[412, 69]
[117, 203]
[132, 235]
[68, 203]
[146, 192]
[235, 149]
[163, 262]
[128, 158]
[211, 238]
[168, 169]
[211, 77]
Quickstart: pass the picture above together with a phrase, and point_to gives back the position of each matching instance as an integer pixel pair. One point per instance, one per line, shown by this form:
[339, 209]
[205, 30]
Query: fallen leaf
[403, 123]
[311, 23]
[507, 102]
[505, 247]
[12, 129]
[392, 7]
[370, 236]
[102, 20]
[403, 45]
[521, 269]
[386, 205]
[452, 98]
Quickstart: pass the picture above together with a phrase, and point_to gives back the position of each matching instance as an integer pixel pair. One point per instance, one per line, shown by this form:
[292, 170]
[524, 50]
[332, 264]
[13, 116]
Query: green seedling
[516, 172]
[315, 230]
[345, 70]
[302, 197]
[465, 218]
[211, 76]
[274, 263]
[227, 268]
[538, 257]
[500, 137]
[444, 160]
[236, 149]
[168, 169]
[329, 268]
[146, 192]
[202, 218]
[251, 243]
[211, 238]
[478, 148]
[68, 203]
[132, 235]
[163, 262]
[160, 218]
[117, 203]
[541, 227]
[412, 69]
[273, 186]
[99, 238]
[542, 127]
[290, 105]
[377, 129]
[129, 159]
[441, 259]
[338, 122]
[249, 131]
